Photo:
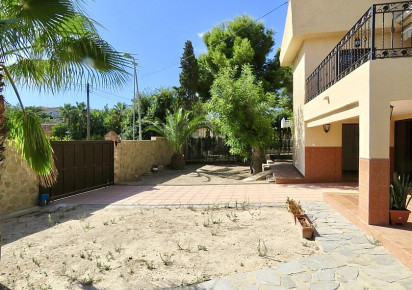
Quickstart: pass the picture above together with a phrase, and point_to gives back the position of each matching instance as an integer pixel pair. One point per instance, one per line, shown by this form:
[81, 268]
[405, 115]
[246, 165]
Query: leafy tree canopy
[242, 111]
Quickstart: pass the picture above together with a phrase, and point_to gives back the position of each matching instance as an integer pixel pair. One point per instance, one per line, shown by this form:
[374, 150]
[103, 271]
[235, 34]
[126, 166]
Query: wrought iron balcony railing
[384, 31]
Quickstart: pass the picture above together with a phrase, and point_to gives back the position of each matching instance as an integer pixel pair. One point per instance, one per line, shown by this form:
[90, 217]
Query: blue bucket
[43, 199]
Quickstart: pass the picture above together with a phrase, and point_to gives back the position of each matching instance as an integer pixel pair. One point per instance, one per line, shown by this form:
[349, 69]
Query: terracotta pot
[399, 216]
[306, 230]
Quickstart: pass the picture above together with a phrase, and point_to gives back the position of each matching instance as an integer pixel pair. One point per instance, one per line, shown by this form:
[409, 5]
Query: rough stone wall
[19, 187]
[133, 158]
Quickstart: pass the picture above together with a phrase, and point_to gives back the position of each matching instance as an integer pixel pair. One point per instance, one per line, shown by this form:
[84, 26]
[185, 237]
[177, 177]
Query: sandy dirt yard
[148, 248]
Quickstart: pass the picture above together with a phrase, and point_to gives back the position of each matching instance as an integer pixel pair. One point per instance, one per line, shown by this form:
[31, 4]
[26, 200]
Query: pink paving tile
[255, 193]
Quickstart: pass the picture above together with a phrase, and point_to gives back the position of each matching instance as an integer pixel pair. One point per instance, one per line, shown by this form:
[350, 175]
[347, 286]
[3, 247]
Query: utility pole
[88, 111]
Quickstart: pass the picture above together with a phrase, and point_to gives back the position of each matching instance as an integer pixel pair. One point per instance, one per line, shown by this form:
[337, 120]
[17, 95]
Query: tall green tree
[243, 112]
[52, 45]
[234, 43]
[189, 77]
[177, 128]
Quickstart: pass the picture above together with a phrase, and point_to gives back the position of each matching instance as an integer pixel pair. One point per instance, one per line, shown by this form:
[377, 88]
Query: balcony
[384, 31]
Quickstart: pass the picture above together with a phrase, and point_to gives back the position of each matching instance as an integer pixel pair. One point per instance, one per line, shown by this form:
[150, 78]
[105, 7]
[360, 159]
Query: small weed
[87, 226]
[232, 217]
[201, 248]
[94, 240]
[29, 244]
[216, 222]
[21, 255]
[118, 248]
[214, 232]
[102, 267]
[106, 223]
[206, 223]
[89, 255]
[188, 249]
[72, 277]
[150, 265]
[109, 256]
[36, 261]
[215, 206]
[113, 221]
[262, 250]
[131, 271]
[374, 241]
[191, 207]
[82, 217]
[89, 281]
[253, 213]
[45, 287]
[244, 205]
[166, 258]
[241, 264]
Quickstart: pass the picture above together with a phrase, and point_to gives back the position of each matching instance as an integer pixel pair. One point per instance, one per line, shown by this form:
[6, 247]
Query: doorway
[350, 152]
[403, 146]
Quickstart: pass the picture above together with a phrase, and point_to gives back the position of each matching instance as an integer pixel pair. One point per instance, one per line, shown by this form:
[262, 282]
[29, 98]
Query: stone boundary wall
[134, 158]
[19, 187]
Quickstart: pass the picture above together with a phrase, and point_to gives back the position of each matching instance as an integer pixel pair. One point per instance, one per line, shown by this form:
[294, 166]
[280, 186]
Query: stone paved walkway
[350, 261]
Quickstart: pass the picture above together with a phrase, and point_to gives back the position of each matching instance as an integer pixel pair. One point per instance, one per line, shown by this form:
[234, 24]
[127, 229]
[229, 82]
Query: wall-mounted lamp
[391, 108]
[326, 128]
[357, 42]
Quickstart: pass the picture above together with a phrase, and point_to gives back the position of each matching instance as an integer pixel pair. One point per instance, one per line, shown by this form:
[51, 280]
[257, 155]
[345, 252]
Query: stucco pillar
[374, 162]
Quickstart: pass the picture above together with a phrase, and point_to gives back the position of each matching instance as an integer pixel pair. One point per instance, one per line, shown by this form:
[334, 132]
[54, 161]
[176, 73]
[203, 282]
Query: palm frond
[31, 142]
[178, 127]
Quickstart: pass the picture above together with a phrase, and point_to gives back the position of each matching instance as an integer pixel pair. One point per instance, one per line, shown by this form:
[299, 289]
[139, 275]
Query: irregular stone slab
[321, 262]
[360, 240]
[351, 285]
[379, 284]
[221, 283]
[345, 252]
[349, 272]
[323, 285]
[383, 259]
[287, 282]
[329, 246]
[251, 287]
[270, 287]
[406, 283]
[267, 276]
[377, 250]
[324, 275]
[289, 268]
[391, 273]
[240, 276]
[302, 277]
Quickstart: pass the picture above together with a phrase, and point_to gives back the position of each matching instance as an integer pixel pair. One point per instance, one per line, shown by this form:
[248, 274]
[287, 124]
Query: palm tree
[176, 130]
[51, 44]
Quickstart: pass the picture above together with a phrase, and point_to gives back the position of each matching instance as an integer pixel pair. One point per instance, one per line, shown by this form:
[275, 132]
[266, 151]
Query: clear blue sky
[156, 31]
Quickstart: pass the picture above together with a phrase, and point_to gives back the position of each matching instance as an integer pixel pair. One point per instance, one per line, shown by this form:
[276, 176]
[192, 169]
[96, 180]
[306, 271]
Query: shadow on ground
[194, 174]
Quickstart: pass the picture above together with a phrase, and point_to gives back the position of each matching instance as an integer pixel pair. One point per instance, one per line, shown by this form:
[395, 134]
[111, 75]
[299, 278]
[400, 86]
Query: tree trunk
[178, 161]
[256, 160]
[3, 129]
